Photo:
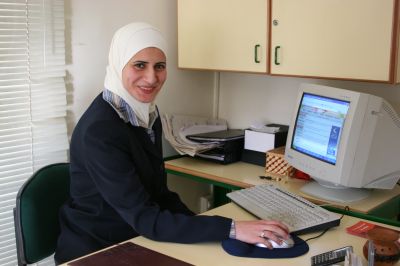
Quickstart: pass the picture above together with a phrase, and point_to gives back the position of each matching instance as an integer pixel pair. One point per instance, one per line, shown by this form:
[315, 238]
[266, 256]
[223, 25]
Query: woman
[118, 181]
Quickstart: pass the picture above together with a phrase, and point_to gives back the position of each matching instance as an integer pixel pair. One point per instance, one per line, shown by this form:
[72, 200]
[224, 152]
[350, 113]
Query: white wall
[246, 98]
[90, 25]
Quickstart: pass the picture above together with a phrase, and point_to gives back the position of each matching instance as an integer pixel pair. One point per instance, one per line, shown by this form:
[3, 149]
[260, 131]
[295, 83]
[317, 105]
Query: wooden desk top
[245, 175]
[213, 253]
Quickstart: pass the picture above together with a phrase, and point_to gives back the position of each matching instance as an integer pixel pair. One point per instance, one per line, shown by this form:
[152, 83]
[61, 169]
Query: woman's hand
[260, 231]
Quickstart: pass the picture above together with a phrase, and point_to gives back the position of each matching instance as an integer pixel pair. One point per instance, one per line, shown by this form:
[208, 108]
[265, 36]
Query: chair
[36, 212]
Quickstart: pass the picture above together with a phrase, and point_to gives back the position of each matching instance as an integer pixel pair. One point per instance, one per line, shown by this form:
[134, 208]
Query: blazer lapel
[147, 144]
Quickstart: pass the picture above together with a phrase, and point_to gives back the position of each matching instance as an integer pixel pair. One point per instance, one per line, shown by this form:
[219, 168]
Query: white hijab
[127, 41]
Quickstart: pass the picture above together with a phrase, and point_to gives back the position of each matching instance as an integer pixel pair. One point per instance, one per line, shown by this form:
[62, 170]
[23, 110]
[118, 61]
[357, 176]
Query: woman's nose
[150, 75]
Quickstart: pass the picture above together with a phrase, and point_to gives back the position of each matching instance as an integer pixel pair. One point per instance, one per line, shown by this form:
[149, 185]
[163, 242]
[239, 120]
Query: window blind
[33, 130]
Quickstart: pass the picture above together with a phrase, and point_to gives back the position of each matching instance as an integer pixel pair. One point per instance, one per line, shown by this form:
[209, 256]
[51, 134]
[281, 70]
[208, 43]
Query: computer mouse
[286, 243]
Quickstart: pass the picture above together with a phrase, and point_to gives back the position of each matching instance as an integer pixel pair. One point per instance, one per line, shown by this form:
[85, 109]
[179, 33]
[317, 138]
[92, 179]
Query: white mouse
[286, 243]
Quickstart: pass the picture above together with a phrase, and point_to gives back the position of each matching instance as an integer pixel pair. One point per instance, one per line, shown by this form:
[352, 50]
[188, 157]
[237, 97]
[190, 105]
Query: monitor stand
[337, 194]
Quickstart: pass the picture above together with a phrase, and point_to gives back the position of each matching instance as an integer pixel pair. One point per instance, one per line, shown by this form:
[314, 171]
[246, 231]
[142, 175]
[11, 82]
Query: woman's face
[144, 75]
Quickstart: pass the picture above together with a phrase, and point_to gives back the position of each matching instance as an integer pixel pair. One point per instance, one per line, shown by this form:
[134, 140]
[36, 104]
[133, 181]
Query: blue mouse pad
[241, 249]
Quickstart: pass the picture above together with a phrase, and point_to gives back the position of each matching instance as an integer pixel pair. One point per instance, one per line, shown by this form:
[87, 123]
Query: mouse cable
[325, 230]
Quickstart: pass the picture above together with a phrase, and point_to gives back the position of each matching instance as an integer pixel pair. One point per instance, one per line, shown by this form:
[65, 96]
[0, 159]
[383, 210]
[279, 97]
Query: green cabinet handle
[256, 53]
[276, 55]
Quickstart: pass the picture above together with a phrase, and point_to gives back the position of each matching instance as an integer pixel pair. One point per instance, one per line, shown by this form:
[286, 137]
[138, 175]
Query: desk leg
[220, 197]
[220, 188]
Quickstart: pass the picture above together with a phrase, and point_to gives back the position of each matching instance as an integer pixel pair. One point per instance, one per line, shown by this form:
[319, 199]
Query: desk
[213, 254]
[381, 206]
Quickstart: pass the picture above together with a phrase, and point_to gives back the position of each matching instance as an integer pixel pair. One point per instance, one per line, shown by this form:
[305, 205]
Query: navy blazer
[119, 189]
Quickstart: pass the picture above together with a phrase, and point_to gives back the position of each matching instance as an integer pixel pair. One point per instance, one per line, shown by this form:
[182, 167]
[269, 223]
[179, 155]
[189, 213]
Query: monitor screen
[319, 125]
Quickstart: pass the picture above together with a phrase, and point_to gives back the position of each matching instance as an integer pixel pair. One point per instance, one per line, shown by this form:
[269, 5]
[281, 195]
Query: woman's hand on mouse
[260, 231]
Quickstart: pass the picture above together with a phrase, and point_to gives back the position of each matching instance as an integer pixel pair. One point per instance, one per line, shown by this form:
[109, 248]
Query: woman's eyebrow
[140, 61]
[147, 62]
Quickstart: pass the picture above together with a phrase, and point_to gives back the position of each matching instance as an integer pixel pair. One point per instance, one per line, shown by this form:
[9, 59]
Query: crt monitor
[347, 141]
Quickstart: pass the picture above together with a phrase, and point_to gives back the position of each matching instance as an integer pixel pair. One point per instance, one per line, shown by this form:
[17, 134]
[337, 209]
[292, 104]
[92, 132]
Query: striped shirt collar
[126, 113]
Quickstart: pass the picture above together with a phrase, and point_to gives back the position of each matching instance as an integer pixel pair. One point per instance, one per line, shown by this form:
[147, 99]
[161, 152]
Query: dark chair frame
[36, 212]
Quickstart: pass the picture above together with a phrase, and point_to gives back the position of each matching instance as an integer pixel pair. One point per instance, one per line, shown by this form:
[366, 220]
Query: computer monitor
[347, 141]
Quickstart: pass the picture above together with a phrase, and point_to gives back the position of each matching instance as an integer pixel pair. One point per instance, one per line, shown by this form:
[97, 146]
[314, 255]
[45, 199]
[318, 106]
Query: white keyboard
[273, 203]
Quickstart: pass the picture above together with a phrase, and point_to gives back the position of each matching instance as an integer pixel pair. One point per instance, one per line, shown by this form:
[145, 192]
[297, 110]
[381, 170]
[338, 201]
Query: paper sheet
[177, 127]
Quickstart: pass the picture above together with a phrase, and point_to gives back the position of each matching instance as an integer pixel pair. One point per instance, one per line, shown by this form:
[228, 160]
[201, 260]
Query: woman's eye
[160, 66]
[139, 65]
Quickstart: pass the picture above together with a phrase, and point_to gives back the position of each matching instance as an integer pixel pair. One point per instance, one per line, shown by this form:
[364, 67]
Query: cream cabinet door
[344, 39]
[229, 35]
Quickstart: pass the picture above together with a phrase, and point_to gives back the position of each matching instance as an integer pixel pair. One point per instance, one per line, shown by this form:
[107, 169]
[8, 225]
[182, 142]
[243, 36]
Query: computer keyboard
[270, 202]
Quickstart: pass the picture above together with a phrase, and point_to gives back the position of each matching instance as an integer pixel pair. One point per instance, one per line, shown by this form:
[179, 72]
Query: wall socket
[205, 203]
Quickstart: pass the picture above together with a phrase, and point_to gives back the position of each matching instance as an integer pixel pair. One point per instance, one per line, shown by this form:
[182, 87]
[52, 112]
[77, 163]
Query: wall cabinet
[228, 35]
[342, 39]
[336, 39]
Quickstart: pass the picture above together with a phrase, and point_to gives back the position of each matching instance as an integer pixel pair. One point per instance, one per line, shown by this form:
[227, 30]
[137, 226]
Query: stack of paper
[177, 127]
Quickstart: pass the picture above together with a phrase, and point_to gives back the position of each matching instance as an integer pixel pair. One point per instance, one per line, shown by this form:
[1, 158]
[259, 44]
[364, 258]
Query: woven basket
[276, 163]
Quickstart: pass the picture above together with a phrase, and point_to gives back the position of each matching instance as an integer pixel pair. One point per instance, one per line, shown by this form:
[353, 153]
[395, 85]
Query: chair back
[36, 212]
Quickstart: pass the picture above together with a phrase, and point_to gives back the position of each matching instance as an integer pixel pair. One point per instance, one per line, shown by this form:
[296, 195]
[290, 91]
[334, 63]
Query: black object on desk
[259, 158]
[219, 136]
[230, 149]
